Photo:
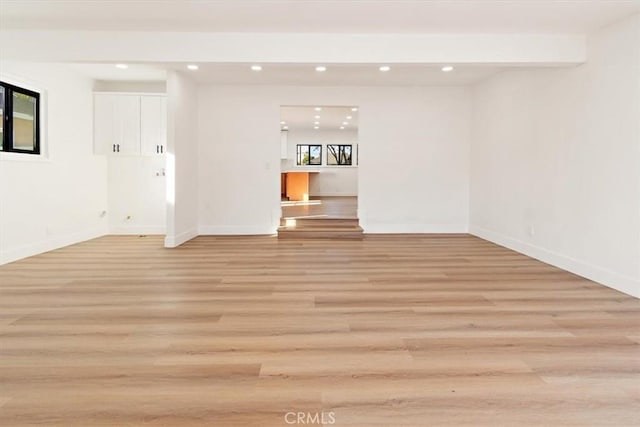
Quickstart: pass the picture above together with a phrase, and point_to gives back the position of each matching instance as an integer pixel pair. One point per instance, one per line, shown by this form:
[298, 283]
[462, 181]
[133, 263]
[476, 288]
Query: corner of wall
[611, 279]
[60, 241]
[172, 241]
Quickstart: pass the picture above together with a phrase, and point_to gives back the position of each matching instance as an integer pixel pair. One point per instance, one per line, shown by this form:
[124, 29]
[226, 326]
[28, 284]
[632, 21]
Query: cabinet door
[105, 135]
[128, 118]
[284, 148]
[153, 121]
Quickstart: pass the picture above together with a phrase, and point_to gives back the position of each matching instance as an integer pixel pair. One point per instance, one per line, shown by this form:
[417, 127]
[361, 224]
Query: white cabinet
[129, 124]
[284, 148]
[104, 124]
[153, 121]
[116, 124]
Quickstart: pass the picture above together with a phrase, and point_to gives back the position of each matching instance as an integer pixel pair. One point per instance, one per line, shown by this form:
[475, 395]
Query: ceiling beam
[142, 47]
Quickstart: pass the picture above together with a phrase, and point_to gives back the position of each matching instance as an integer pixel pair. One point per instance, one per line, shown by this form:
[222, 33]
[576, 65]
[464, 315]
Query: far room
[319, 170]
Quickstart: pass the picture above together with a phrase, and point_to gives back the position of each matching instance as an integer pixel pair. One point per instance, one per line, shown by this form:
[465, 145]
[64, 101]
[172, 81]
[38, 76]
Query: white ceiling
[331, 118]
[297, 74]
[318, 16]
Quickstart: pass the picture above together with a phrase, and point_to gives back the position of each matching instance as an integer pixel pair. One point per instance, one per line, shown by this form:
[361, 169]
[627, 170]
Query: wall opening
[319, 165]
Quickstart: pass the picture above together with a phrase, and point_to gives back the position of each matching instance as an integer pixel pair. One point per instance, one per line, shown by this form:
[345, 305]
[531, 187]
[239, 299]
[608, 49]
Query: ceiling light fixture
[321, 68]
[341, 127]
[316, 127]
[345, 123]
[122, 66]
[354, 109]
[318, 108]
[349, 117]
[283, 122]
[384, 68]
[316, 123]
[285, 127]
[192, 67]
[447, 68]
[256, 67]
[316, 117]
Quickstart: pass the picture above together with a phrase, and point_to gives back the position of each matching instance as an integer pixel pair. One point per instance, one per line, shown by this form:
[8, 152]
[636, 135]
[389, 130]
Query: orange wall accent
[297, 185]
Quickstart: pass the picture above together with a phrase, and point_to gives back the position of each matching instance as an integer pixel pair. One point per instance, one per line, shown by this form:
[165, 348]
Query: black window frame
[299, 154]
[339, 157]
[7, 131]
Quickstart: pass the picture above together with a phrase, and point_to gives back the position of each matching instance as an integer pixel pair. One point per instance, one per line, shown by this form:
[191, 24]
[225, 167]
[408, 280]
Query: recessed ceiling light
[316, 127]
[349, 117]
[316, 117]
[192, 67]
[256, 67]
[285, 127]
[447, 68]
[384, 68]
[321, 68]
[341, 127]
[354, 109]
[345, 123]
[318, 108]
[283, 122]
[122, 66]
[316, 123]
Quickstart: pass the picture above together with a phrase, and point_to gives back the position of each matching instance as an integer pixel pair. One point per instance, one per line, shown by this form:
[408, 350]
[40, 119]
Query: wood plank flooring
[239, 331]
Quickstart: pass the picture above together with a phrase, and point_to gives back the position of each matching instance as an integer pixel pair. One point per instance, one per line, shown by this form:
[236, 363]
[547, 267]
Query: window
[309, 155]
[339, 155]
[20, 126]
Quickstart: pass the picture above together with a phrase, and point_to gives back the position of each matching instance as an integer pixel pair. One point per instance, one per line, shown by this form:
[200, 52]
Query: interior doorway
[319, 168]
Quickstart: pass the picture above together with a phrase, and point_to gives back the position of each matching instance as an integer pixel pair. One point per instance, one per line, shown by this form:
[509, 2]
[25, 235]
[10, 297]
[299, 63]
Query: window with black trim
[308, 155]
[20, 114]
[339, 155]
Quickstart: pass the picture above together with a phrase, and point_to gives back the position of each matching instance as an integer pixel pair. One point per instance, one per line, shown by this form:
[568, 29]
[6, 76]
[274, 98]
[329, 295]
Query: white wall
[556, 161]
[413, 172]
[332, 180]
[129, 86]
[137, 195]
[182, 159]
[57, 199]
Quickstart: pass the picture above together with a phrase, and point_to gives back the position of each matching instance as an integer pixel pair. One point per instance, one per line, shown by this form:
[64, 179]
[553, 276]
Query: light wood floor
[391, 330]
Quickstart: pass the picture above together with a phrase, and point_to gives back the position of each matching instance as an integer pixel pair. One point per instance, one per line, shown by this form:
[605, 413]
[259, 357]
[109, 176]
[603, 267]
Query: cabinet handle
[162, 149]
[118, 147]
[113, 149]
[157, 149]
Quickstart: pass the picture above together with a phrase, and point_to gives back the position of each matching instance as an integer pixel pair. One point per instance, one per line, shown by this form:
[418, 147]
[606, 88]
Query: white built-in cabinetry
[284, 148]
[153, 125]
[130, 124]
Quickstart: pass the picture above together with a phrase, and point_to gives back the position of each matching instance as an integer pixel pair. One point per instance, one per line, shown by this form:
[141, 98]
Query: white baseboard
[137, 229]
[219, 230]
[611, 279]
[178, 239]
[55, 242]
[381, 228]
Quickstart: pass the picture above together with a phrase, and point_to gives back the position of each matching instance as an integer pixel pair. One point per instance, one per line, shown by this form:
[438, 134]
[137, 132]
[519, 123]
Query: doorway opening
[319, 171]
